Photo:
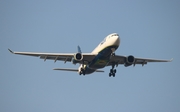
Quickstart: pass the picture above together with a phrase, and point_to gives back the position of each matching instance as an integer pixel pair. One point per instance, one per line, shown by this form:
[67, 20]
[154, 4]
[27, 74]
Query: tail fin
[79, 49]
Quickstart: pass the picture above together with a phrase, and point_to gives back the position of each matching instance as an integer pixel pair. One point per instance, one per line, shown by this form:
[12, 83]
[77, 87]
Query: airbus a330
[103, 55]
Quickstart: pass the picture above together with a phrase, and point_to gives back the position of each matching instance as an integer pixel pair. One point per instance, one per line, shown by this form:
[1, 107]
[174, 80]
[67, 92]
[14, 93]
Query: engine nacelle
[78, 56]
[129, 61]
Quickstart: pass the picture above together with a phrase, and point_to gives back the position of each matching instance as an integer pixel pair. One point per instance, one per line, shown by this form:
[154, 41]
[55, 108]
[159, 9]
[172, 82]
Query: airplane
[103, 55]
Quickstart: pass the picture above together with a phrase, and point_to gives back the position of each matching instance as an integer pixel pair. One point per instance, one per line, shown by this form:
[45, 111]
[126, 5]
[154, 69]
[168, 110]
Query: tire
[110, 74]
[111, 71]
[114, 71]
[113, 74]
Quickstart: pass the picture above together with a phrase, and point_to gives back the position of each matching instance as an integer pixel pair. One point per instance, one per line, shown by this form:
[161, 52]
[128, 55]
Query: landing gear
[82, 72]
[112, 72]
[113, 54]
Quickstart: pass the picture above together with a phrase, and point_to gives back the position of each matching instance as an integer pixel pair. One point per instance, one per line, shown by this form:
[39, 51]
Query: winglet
[11, 51]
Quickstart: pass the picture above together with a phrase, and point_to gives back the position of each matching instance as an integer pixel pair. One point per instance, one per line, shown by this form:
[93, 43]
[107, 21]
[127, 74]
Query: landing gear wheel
[113, 54]
[82, 72]
[112, 72]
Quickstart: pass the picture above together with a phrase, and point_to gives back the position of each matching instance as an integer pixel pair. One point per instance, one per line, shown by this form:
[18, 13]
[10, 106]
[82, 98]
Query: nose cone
[116, 40]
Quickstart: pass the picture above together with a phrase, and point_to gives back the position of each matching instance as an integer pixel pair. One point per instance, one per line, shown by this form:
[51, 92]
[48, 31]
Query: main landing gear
[112, 72]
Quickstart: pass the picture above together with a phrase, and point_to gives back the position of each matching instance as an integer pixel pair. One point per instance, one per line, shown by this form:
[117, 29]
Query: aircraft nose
[117, 40]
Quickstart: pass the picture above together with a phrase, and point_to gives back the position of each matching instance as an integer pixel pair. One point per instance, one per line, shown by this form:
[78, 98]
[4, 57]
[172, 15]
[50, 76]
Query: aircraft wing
[66, 57]
[118, 59]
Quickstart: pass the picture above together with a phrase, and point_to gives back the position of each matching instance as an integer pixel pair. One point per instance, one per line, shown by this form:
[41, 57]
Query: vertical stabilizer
[79, 49]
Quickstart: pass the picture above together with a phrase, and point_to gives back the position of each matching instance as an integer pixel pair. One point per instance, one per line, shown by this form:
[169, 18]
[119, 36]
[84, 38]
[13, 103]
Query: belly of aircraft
[100, 63]
[102, 59]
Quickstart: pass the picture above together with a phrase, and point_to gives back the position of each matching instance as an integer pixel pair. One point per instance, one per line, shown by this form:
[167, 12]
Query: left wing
[66, 57]
[118, 59]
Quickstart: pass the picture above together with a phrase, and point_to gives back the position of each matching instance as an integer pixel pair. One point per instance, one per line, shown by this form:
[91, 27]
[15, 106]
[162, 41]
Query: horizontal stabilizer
[10, 51]
[66, 69]
[99, 71]
[73, 70]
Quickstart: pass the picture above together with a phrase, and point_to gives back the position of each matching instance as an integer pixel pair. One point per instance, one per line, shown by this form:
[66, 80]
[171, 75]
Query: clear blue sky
[149, 29]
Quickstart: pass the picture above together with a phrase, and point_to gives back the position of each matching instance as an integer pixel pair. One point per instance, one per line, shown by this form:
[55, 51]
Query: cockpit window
[115, 35]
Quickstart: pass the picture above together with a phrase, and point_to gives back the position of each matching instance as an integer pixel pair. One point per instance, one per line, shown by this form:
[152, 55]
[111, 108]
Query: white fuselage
[104, 51]
[110, 40]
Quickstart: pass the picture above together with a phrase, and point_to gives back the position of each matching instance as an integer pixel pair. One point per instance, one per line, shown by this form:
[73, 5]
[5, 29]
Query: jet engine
[78, 56]
[129, 61]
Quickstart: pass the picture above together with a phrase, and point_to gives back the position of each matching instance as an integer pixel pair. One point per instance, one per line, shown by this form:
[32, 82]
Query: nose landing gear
[82, 72]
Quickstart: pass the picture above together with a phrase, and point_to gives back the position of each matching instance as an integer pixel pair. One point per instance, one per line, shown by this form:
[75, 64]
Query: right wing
[119, 59]
[66, 57]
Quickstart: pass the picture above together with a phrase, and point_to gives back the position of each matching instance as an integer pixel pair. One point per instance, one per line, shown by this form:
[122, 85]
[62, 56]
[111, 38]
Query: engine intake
[78, 56]
[129, 61]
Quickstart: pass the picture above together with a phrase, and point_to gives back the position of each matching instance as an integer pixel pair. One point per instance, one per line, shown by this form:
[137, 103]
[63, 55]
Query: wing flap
[62, 58]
